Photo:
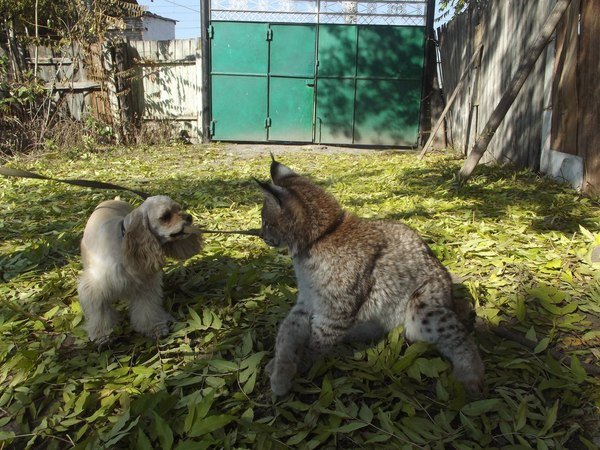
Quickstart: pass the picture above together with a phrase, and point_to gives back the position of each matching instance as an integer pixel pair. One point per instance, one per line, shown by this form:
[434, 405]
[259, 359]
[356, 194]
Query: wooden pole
[531, 56]
[457, 89]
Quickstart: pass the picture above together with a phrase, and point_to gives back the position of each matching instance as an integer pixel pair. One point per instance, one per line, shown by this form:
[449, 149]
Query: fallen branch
[474, 58]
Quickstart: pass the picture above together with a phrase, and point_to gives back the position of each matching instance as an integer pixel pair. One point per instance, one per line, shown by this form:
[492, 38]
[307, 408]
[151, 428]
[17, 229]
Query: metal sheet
[387, 112]
[239, 108]
[335, 111]
[291, 109]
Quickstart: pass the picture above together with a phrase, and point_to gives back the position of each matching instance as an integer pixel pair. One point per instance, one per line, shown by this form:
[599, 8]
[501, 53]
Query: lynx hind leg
[440, 326]
[364, 333]
[291, 347]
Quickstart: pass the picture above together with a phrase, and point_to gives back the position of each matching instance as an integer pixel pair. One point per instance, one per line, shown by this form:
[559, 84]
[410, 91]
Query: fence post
[206, 100]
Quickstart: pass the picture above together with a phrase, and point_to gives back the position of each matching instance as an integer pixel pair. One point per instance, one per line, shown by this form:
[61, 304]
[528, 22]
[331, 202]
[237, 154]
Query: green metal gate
[336, 83]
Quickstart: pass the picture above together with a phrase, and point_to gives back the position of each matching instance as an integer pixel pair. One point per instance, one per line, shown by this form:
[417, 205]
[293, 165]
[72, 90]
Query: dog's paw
[160, 330]
[281, 374]
[103, 341]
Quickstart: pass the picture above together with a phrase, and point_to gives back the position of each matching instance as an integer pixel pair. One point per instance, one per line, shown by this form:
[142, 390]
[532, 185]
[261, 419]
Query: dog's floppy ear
[183, 248]
[141, 248]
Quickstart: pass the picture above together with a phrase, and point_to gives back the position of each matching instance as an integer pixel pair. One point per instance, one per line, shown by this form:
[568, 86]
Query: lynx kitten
[357, 280]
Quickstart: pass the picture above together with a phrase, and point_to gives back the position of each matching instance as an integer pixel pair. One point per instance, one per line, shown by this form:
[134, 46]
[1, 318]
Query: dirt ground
[253, 149]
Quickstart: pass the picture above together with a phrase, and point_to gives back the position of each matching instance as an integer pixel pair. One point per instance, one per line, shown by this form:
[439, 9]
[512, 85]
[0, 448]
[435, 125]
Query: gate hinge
[211, 31]
[212, 128]
[267, 122]
[269, 34]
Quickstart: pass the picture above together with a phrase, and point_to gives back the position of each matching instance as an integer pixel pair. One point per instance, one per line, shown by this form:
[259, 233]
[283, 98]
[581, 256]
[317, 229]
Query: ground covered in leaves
[519, 245]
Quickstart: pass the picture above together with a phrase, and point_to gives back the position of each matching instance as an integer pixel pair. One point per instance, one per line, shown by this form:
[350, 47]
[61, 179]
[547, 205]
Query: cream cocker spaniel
[123, 252]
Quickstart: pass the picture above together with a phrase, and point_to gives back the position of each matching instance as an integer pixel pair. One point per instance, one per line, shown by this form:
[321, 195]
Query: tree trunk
[531, 56]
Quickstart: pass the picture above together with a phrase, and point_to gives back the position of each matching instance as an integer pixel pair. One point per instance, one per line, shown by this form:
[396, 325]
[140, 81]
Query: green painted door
[239, 81]
[262, 82]
[336, 84]
[388, 88]
[291, 83]
[369, 84]
[367, 88]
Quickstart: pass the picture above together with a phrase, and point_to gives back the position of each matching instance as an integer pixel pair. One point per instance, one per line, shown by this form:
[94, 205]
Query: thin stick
[450, 101]
[252, 232]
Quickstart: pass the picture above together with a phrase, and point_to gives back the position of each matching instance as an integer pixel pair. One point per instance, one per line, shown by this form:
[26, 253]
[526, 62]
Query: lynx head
[296, 212]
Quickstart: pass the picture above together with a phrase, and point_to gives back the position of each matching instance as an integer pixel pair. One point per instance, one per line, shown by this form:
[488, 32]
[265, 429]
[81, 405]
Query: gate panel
[239, 81]
[336, 84]
[388, 91]
[387, 112]
[239, 108]
[391, 52]
[335, 111]
[337, 50]
[369, 84]
[362, 85]
[291, 82]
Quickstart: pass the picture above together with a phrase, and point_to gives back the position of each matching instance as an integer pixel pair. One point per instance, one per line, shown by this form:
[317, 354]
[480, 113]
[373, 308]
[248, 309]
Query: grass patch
[520, 245]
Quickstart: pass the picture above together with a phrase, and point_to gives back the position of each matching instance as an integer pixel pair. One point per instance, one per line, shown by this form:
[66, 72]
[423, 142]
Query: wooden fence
[142, 82]
[544, 129]
[167, 83]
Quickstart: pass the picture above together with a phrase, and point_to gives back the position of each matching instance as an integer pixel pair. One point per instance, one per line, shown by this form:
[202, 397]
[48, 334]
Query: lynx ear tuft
[279, 171]
[276, 193]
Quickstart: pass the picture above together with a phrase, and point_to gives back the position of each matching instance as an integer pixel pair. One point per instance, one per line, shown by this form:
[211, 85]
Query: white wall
[158, 29]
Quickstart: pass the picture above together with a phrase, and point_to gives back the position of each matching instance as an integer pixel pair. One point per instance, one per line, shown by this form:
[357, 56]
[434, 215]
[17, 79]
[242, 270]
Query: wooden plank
[73, 86]
[589, 115]
[564, 87]
[169, 77]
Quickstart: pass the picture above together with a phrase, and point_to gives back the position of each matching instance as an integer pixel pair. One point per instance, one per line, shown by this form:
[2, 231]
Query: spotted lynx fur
[357, 280]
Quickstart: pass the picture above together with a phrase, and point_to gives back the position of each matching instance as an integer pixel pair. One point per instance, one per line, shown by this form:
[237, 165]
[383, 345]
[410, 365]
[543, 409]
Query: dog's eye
[165, 217]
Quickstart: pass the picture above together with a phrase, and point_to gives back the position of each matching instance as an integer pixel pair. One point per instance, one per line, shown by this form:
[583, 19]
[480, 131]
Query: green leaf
[199, 411]
[365, 413]
[479, 407]
[140, 370]
[586, 233]
[142, 441]
[164, 432]
[542, 345]
[349, 427]
[297, 438]
[531, 334]
[521, 417]
[326, 397]
[577, 369]
[550, 418]
[209, 424]
[7, 436]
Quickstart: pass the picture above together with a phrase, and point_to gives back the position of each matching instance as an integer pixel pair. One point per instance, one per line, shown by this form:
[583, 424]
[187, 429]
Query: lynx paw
[281, 375]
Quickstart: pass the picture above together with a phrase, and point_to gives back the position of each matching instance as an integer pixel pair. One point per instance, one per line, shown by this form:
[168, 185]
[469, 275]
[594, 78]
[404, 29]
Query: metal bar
[237, 74]
[324, 13]
[206, 61]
